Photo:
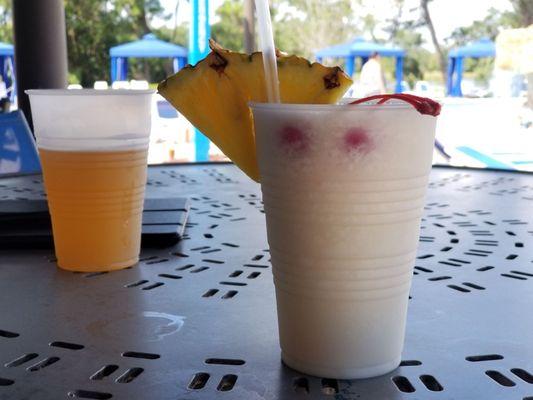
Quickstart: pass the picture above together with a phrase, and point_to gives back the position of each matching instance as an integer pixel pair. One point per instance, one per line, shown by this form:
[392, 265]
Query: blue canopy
[7, 67]
[147, 47]
[359, 47]
[482, 48]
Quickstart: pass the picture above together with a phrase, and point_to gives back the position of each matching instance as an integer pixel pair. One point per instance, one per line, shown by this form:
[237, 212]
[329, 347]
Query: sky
[446, 14]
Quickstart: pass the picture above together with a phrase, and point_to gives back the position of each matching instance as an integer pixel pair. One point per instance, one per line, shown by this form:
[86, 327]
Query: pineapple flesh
[214, 94]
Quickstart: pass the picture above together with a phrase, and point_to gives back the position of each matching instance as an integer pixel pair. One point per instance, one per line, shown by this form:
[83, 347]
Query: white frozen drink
[343, 189]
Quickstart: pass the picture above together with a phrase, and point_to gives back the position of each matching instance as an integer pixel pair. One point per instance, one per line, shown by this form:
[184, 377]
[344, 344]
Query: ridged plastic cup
[93, 146]
[343, 190]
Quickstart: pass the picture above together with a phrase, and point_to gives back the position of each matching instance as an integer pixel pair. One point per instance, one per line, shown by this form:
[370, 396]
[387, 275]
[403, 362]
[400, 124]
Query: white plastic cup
[93, 146]
[343, 188]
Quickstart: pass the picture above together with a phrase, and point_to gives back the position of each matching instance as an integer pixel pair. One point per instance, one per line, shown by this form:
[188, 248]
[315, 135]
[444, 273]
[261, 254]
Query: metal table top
[197, 321]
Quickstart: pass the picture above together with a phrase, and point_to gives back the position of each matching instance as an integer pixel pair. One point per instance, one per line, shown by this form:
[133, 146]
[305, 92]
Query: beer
[96, 201]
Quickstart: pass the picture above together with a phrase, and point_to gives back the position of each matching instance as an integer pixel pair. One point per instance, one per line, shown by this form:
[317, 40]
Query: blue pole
[399, 74]
[350, 63]
[124, 69]
[449, 75]
[13, 79]
[456, 90]
[198, 48]
[113, 72]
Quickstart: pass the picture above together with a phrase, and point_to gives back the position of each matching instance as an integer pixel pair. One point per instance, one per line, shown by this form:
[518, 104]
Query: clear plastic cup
[93, 146]
[343, 189]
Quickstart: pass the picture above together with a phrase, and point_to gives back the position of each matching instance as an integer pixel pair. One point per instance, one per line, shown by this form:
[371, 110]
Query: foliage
[6, 21]
[229, 30]
[93, 26]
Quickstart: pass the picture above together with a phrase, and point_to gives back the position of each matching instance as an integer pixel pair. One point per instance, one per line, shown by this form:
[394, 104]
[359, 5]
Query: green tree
[6, 21]
[313, 24]
[93, 26]
[229, 30]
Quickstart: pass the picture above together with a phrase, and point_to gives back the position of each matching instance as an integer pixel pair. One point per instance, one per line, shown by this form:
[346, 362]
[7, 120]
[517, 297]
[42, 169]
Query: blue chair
[18, 153]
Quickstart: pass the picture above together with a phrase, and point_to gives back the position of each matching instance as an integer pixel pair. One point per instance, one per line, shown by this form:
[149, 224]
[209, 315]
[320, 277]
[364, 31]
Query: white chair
[120, 85]
[139, 85]
[101, 85]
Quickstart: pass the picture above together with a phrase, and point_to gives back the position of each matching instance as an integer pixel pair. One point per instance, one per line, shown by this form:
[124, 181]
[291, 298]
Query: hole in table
[129, 375]
[455, 240]
[522, 273]
[210, 251]
[148, 258]
[500, 378]
[138, 283]
[423, 269]
[195, 271]
[104, 372]
[403, 384]
[210, 292]
[227, 383]
[459, 288]
[89, 394]
[137, 354]
[224, 361]
[523, 374]
[257, 257]
[208, 236]
[8, 334]
[255, 266]
[300, 385]
[521, 278]
[253, 275]
[169, 276]
[510, 233]
[66, 345]
[185, 267]
[450, 263]
[484, 357]
[233, 283]
[431, 383]
[410, 363]
[21, 360]
[487, 268]
[6, 382]
[208, 260]
[447, 248]
[330, 387]
[519, 244]
[230, 244]
[93, 274]
[162, 260]
[425, 256]
[230, 294]
[473, 286]
[235, 273]
[198, 381]
[182, 255]
[511, 256]
[439, 278]
[43, 364]
[153, 286]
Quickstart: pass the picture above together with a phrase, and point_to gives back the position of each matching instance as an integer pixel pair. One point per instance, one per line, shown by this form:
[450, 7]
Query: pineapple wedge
[214, 94]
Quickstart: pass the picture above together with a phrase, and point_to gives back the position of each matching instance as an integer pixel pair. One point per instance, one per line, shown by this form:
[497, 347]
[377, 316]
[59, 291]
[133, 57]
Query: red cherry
[423, 105]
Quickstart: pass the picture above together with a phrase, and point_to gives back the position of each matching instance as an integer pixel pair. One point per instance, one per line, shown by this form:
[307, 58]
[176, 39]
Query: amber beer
[96, 202]
[93, 146]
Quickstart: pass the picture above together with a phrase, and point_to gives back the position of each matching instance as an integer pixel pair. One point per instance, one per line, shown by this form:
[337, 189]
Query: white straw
[266, 41]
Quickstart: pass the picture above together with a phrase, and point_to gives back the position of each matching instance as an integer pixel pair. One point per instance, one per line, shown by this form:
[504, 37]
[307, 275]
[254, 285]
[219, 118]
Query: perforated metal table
[198, 321]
